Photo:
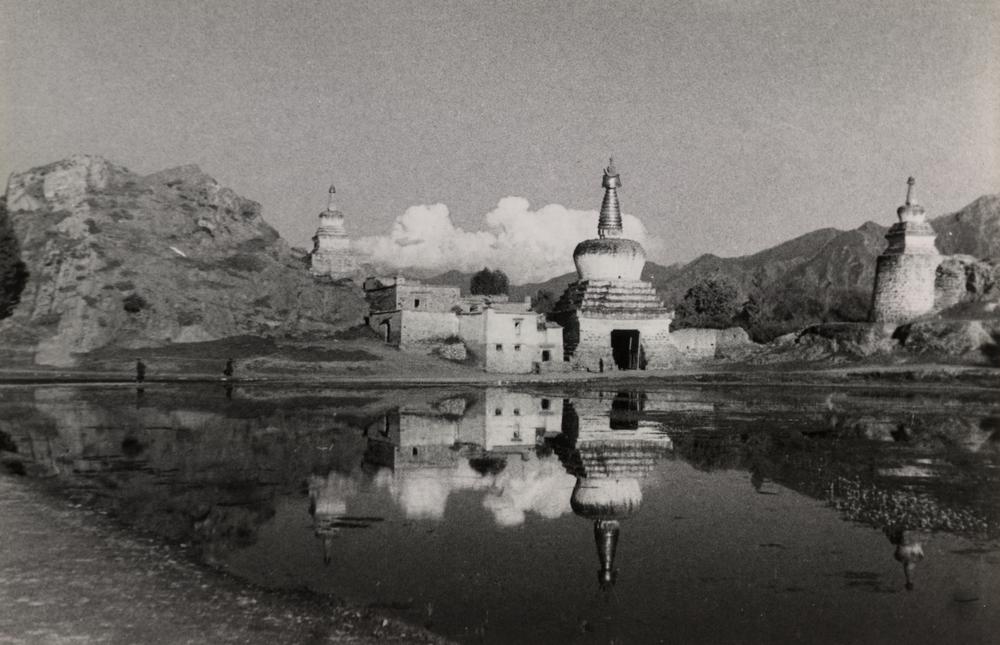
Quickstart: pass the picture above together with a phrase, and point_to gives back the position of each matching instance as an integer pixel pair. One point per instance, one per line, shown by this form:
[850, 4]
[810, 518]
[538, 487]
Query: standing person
[228, 372]
[140, 371]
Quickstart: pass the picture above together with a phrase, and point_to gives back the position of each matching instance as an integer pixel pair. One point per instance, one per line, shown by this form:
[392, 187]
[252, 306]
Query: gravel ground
[69, 575]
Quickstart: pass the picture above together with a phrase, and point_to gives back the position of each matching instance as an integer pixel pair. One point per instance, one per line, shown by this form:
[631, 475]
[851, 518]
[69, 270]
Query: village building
[905, 272]
[611, 318]
[502, 336]
[332, 255]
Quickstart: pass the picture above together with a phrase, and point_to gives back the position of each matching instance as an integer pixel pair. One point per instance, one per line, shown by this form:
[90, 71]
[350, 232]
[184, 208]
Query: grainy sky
[736, 124]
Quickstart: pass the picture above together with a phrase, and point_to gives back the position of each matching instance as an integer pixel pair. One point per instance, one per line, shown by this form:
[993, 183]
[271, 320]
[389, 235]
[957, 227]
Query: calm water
[673, 515]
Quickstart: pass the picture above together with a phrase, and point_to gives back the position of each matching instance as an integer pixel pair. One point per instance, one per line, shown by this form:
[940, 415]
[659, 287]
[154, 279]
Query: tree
[490, 283]
[543, 302]
[712, 303]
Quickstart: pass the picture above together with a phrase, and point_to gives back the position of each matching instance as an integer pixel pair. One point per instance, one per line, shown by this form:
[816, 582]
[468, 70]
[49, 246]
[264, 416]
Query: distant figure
[600, 365]
[228, 372]
[140, 371]
[909, 551]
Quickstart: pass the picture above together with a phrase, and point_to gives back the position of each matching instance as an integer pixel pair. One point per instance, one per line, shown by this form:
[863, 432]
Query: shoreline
[74, 573]
[894, 376]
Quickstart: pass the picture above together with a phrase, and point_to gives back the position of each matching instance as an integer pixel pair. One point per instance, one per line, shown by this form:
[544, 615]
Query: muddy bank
[68, 573]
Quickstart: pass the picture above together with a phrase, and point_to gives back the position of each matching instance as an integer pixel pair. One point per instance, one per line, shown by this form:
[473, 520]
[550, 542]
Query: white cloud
[528, 245]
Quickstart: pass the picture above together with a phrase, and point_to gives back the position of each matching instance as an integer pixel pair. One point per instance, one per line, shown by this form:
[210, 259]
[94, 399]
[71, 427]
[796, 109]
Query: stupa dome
[606, 498]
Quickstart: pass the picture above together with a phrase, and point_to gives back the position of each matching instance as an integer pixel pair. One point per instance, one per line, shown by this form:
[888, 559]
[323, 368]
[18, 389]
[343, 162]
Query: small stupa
[611, 318]
[331, 254]
[905, 272]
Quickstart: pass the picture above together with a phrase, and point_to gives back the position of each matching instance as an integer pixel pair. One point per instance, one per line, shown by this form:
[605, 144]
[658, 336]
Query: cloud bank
[528, 245]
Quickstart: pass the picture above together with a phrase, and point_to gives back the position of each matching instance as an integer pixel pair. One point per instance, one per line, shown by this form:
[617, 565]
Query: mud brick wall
[904, 287]
[594, 343]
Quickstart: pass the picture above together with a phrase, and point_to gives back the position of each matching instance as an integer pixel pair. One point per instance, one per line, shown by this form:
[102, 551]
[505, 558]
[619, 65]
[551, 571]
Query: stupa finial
[609, 224]
[331, 204]
[911, 211]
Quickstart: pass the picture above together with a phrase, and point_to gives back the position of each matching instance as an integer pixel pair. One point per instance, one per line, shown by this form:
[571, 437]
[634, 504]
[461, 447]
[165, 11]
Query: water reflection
[473, 496]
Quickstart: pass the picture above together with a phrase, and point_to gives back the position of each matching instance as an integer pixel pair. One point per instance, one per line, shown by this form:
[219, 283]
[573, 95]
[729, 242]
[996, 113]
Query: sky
[464, 133]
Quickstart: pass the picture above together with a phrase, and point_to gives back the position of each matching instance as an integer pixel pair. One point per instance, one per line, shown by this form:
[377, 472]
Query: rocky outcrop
[115, 258]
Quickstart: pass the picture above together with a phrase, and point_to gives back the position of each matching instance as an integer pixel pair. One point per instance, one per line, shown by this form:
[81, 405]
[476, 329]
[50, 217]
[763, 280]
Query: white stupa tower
[331, 254]
[905, 272]
[611, 318]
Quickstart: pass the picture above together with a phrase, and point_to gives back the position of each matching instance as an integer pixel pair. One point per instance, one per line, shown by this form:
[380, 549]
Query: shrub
[489, 283]
[244, 262]
[134, 303]
[712, 303]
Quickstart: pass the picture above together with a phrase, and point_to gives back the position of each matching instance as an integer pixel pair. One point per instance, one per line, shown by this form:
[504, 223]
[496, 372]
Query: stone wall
[392, 320]
[696, 343]
[594, 342]
[421, 326]
[904, 287]
[426, 297]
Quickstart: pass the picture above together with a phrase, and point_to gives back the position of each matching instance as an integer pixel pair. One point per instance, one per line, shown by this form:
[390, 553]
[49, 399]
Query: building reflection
[608, 450]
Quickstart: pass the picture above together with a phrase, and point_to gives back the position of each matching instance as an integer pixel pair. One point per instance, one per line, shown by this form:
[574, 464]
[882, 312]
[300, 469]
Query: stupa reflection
[608, 451]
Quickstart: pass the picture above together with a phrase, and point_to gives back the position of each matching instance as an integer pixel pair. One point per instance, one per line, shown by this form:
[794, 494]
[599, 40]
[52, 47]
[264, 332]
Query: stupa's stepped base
[619, 299]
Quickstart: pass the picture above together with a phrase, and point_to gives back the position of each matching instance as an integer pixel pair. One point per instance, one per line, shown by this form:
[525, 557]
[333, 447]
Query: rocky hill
[115, 258]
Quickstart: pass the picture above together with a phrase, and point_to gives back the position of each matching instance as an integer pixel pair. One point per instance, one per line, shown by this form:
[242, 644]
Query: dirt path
[68, 575]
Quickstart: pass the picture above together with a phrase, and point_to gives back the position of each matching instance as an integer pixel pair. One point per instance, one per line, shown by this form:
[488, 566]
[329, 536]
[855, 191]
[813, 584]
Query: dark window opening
[546, 356]
[546, 404]
[517, 412]
[499, 347]
[497, 412]
[414, 452]
[416, 303]
[517, 348]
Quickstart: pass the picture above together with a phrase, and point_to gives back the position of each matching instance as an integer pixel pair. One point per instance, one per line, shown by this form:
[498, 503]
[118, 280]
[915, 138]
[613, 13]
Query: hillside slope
[115, 258]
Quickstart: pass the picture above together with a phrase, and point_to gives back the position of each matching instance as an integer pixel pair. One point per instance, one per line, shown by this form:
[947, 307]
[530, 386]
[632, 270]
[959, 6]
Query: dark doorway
[625, 348]
[388, 331]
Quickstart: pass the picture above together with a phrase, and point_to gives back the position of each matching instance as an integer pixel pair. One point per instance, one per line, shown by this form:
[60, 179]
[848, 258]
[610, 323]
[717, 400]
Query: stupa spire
[609, 224]
[331, 203]
[910, 211]
[606, 537]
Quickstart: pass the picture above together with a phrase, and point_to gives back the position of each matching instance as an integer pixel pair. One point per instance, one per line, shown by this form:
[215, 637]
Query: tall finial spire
[911, 211]
[331, 204]
[609, 224]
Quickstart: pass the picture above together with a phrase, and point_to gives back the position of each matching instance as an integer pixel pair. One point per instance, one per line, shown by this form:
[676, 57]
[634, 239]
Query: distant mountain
[116, 258]
[832, 267]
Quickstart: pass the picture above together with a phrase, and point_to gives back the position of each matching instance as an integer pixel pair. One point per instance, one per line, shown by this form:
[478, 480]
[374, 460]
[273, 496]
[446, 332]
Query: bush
[489, 283]
[712, 303]
[134, 303]
[244, 262]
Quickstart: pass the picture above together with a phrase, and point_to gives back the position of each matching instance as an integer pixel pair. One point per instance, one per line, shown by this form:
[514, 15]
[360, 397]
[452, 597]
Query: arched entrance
[625, 348]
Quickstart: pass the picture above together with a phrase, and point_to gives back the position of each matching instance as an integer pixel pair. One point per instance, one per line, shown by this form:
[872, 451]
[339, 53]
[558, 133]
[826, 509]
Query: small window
[414, 452]
[497, 412]
[546, 404]
[517, 412]
[517, 327]
[546, 356]
[499, 347]
[416, 303]
[516, 436]
[517, 348]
